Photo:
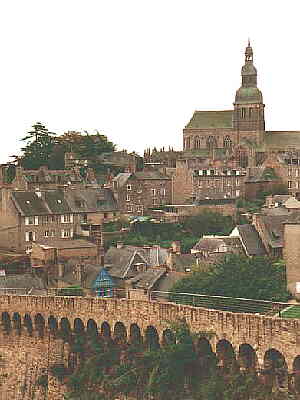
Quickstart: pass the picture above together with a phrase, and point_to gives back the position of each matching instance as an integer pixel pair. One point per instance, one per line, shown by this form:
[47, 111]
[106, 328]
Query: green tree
[209, 222]
[39, 147]
[239, 276]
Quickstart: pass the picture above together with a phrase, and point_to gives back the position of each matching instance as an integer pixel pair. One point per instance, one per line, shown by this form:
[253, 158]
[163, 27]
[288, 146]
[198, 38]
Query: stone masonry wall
[22, 353]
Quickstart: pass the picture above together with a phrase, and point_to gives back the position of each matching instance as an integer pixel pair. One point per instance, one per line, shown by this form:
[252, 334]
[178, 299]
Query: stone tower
[248, 115]
[291, 252]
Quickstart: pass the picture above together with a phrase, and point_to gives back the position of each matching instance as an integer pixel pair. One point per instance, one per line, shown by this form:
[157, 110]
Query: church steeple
[248, 105]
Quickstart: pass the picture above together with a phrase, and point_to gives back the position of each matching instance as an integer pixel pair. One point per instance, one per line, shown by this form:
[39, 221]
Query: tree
[39, 147]
[208, 222]
[239, 276]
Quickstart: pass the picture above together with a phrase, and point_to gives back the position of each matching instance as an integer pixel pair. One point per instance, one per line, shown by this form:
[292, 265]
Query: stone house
[33, 216]
[140, 191]
[197, 179]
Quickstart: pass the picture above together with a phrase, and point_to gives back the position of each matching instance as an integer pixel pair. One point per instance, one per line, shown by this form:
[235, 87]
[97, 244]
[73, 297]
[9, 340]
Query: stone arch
[105, 329]
[79, 327]
[247, 356]
[275, 368]
[168, 337]
[206, 356]
[65, 329]
[225, 353]
[17, 322]
[39, 324]
[52, 324]
[28, 324]
[92, 328]
[120, 332]
[296, 373]
[6, 322]
[135, 334]
[203, 347]
[151, 338]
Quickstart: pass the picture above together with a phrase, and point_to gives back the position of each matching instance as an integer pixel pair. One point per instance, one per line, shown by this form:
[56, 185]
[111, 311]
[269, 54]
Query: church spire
[249, 73]
[249, 53]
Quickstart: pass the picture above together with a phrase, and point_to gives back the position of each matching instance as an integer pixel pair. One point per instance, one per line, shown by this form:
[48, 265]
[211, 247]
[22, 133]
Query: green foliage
[209, 222]
[239, 276]
[42, 380]
[70, 291]
[39, 147]
[59, 371]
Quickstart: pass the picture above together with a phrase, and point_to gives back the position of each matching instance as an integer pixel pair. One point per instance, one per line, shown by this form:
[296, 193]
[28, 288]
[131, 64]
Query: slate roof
[251, 240]
[91, 272]
[211, 244]
[274, 228]
[65, 243]
[211, 119]
[166, 283]
[293, 218]
[119, 261]
[122, 178]
[282, 139]
[64, 202]
[146, 280]
[150, 174]
[24, 281]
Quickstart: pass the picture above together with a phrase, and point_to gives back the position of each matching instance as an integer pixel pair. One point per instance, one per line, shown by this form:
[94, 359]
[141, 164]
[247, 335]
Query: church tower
[248, 116]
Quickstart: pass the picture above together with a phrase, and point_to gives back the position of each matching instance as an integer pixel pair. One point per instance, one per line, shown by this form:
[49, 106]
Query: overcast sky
[136, 70]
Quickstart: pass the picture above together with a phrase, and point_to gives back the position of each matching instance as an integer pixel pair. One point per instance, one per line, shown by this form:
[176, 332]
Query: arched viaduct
[29, 321]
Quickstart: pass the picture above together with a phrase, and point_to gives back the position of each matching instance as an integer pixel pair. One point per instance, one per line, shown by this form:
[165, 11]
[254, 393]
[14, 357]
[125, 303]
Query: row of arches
[245, 355]
[206, 142]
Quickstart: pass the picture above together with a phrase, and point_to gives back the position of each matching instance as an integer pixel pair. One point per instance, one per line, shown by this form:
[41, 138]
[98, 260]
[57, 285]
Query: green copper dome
[247, 95]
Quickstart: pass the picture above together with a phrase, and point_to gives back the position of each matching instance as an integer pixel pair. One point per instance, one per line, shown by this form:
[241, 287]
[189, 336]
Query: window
[243, 112]
[290, 184]
[47, 233]
[297, 173]
[127, 197]
[66, 218]
[289, 172]
[66, 233]
[128, 187]
[153, 191]
[197, 142]
[83, 218]
[237, 193]
[45, 219]
[227, 143]
[105, 215]
[250, 112]
[29, 220]
[52, 233]
[59, 201]
[53, 218]
[163, 192]
[297, 184]
[100, 203]
[29, 236]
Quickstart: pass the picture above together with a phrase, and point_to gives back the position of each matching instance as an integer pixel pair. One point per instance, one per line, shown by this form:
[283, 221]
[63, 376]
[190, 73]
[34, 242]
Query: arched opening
[52, 325]
[197, 142]
[65, 329]
[275, 368]
[105, 330]
[247, 357]
[17, 322]
[151, 338]
[135, 334]
[227, 143]
[92, 328]
[168, 337]
[211, 142]
[225, 354]
[6, 322]
[28, 324]
[78, 326]
[39, 324]
[207, 357]
[120, 333]
[296, 374]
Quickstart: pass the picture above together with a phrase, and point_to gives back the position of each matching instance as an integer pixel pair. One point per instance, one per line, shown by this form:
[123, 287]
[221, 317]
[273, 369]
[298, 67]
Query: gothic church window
[243, 112]
[211, 142]
[227, 142]
[197, 142]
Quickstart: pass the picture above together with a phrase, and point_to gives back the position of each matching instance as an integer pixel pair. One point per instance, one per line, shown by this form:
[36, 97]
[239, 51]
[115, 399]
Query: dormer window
[27, 202]
[59, 201]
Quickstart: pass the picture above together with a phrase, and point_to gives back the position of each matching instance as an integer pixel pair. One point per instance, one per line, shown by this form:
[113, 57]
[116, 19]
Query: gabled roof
[211, 119]
[146, 280]
[65, 243]
[292, 203]
[251, 241]
[282, 139]
[46, 202]
[102, 280]
[122, 178]
[28, 203]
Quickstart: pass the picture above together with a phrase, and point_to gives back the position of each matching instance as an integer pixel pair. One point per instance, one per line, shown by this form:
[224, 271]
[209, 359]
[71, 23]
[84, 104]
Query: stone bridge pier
[29, 344]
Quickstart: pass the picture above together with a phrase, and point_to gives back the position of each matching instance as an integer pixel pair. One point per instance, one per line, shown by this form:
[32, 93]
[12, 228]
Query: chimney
[170, 262]
[79, 273]
[100, 246]
[61, 270]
